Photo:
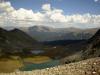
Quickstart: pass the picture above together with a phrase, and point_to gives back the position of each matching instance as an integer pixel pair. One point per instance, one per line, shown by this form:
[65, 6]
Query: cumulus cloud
[6, 7]
[46, 7]
[48, 16]
[23, 14]
[96, 0]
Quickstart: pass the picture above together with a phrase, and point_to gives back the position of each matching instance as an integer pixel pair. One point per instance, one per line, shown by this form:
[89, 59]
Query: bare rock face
[85, 67]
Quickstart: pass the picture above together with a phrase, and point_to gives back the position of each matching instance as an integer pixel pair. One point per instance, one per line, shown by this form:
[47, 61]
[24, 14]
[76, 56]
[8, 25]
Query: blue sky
[69, 6]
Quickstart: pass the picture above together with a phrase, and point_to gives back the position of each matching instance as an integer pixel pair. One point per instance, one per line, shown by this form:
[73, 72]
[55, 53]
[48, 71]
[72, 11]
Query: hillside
[85, 67]
[89, 49]
[15, 40]
[93, 46]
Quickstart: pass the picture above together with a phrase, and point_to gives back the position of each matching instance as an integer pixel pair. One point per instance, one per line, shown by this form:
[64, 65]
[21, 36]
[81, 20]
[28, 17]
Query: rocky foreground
[85, 67]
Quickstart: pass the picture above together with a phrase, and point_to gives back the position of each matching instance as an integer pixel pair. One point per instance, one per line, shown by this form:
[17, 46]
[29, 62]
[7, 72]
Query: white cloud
[48, 16]
[6, 7]
[23, 14]
[95, 0]
[46, 7]
[58, 17]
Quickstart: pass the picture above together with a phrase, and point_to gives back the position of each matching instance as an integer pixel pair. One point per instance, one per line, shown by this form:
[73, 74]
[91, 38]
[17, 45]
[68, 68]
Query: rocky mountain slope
[89, 49]
[85, 67]
[93, 46]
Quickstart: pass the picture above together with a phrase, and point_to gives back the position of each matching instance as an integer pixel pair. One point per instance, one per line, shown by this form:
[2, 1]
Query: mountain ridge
[43, 33]
[15, 39]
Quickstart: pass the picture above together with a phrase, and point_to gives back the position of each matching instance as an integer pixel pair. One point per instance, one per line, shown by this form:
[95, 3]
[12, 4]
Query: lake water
[37, 51]
[30, 67]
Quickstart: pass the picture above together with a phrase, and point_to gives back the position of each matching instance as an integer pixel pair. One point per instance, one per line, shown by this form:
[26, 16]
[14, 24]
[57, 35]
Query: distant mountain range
[43, 33]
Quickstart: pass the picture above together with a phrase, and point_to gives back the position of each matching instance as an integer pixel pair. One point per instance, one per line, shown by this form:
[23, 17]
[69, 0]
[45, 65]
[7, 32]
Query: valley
[49, 37]
[21, 52]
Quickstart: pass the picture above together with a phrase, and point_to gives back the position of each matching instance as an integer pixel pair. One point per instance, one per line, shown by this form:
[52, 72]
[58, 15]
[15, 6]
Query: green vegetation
[13, 63]
[9, 65]
[37, 59]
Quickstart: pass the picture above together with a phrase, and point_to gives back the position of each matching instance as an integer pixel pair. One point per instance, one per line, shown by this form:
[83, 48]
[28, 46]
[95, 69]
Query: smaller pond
[30, 67]
[37, 51]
